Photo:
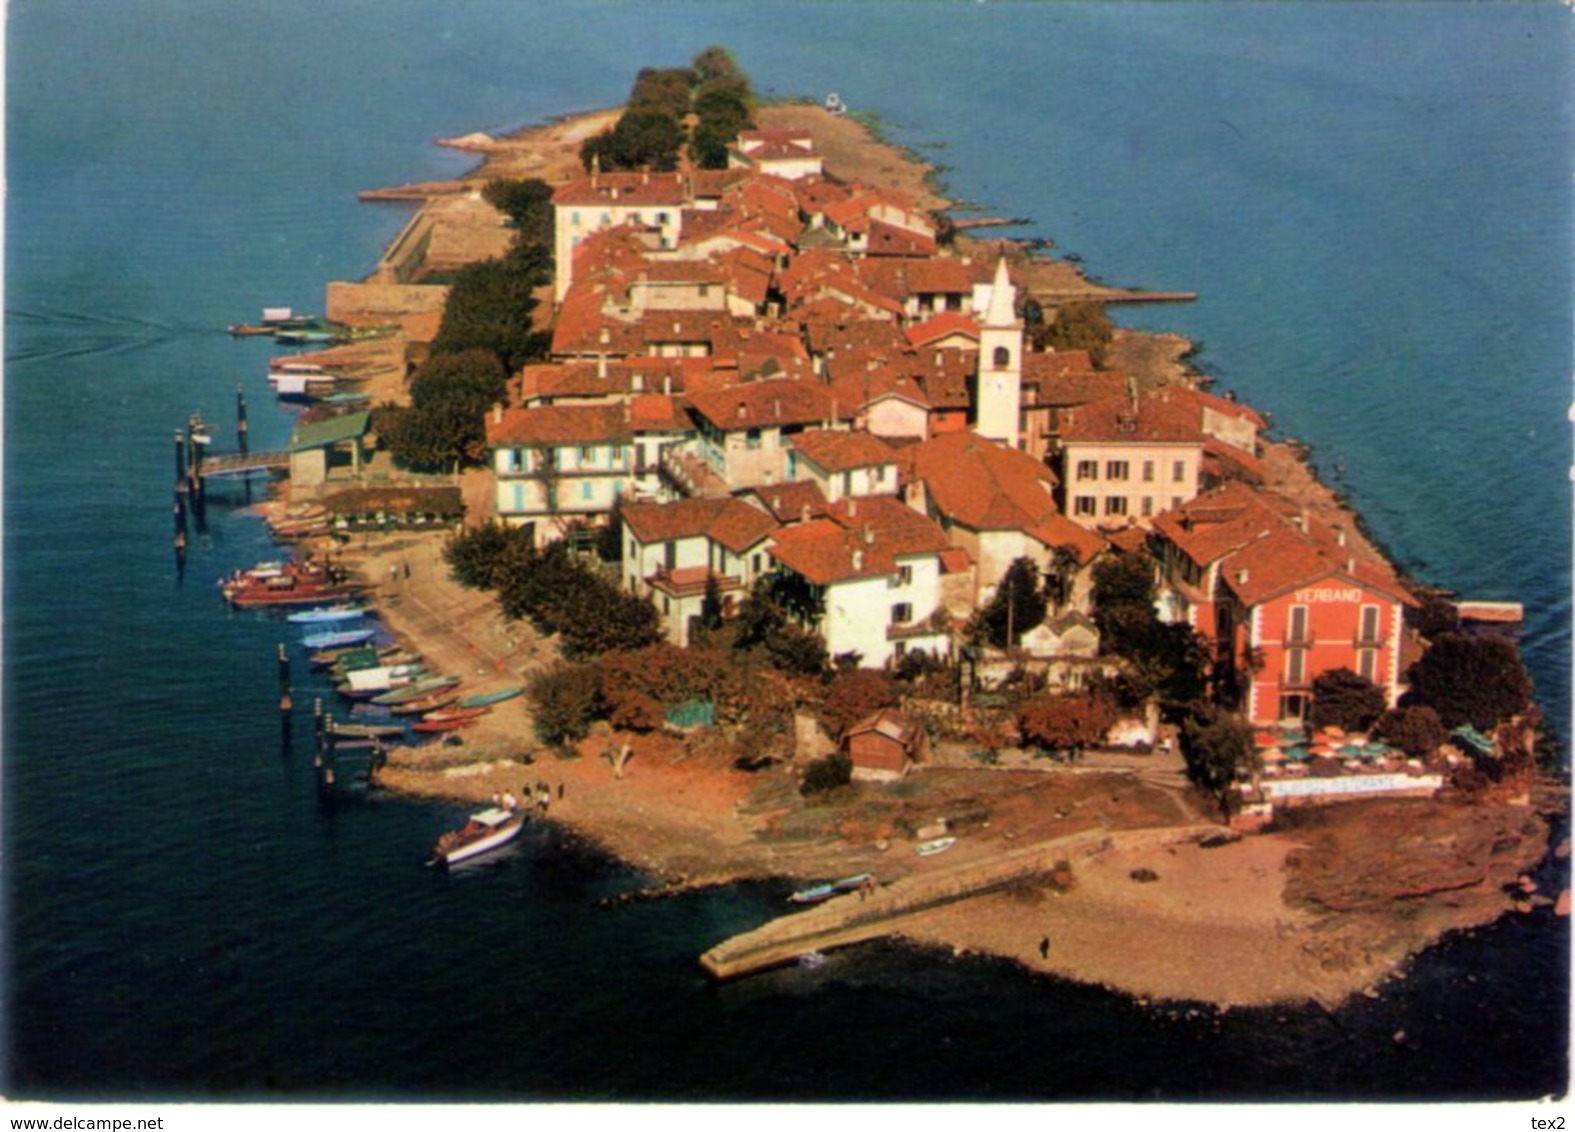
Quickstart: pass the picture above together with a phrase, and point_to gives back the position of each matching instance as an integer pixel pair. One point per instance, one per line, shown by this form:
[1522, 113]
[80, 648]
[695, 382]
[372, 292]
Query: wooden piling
[240, 419]
[284, 679]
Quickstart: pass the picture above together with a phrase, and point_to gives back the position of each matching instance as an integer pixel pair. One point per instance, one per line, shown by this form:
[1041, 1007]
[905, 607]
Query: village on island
[694, 476]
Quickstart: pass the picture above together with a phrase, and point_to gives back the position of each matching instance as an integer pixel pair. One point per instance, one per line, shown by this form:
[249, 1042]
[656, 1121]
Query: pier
[857, 917]
[242, 463]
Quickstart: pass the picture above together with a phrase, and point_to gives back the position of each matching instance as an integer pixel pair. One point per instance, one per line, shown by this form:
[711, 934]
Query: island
[832, 541]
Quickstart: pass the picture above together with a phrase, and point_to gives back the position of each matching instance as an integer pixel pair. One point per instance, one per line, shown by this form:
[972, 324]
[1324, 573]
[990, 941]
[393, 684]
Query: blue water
[1372, 200]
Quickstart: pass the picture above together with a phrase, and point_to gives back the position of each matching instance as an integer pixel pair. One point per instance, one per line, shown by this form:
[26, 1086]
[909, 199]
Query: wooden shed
[885, 745]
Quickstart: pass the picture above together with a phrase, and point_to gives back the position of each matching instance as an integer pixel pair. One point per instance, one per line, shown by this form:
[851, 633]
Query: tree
[1017, 605]
[666, 89]
[1061, 576]
[1466, 679]
[564, 701]
[1167, 660]
[643, 138]
[1219, 752]
[1076, 326]
[827, 774]
[527, 202]
[1066, 723]
[1416, 730]
[856, 694]
[490, 306]
[1434, 616]
[1342, 698]
[481, 557]
[713, 62]
[711, 605]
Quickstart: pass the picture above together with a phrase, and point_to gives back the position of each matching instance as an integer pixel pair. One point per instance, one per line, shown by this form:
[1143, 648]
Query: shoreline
[690, 823]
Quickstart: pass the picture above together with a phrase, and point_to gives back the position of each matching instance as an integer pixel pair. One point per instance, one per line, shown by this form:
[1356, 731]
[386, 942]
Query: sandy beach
[1269, 918]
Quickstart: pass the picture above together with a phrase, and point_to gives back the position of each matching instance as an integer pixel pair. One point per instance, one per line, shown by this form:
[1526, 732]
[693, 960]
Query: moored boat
[819, 892]
[334, 640]
[423, 704]
[485, 831]
[328, 614]
[421, 688]
[932, 847]
[440, 726]
[454, 713]
[368, 730]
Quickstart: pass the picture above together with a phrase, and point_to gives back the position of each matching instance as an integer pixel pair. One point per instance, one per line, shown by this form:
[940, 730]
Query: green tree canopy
[1075, 326]
[1219, 752]
[665, 89]
[713, 62]
[1342, 698]
[1017, 606]
[1467, 679]
[490, 306]
[643, 138]
[527, 202]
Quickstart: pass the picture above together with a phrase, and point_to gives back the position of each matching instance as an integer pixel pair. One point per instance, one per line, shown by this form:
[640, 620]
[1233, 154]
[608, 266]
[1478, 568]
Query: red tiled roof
[956, 560]
[1058, 530]
[1158, 419]
[764, 403]
[631, 189]
[792, 502]
[890, 240]
[729, 522]
[653, 412]
[860, 538]
[843, 451]
[983, 484]
[941, 326]
[556, 425]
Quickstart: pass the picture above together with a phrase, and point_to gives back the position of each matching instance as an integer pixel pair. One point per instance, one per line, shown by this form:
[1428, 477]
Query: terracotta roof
[1058, 531]
[798, 139]
[941, 326]
[933, 275]
[792, 502]
[816, 193]
[654, 412]
[956, 560]
[729, 522]
[764, 403]
[889, 240]
[556, 425]
[623, 189]
[890, 723]
[1158, 418]
[983, 484]
[860, 538]
[843, 451]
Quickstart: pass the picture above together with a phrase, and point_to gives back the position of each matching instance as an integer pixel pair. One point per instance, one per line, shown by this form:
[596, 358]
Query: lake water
[1372, 200]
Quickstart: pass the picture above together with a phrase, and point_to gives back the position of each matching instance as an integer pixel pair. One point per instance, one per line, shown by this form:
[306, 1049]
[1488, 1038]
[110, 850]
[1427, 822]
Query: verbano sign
[1348, 594]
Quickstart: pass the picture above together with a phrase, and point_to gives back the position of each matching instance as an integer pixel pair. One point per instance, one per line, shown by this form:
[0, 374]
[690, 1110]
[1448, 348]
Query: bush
[827, 774]
[1342, 698]
[1416, 730]
[1466, 679]
[565, 700]
[856, 694]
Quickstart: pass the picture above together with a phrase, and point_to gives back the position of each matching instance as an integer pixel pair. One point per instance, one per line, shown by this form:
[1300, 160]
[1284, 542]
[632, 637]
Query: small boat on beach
[485, 831]
[421, 688]
[455, 714]
[440, 726]
[423, 704]
[819, 892]
[367, 730]
[937, 845]
[487, 699]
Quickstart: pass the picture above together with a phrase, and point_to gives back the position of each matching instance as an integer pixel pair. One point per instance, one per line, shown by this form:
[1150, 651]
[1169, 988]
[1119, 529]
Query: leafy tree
[711, 605]
[1219, 752]
[481, 557]
[1017, 606]
[527, 202]
[1168, 660]
[565, 699]
[1061, 575]
[1466, 679]
[643, 138]
[665, 89]
[490, 305]
[856, 694]
[1342, 698]
[714, 62]
[1076, 326]
[437, 438]
[1416, 730]
[596, 616]
[1434, 616]
[1066, 723]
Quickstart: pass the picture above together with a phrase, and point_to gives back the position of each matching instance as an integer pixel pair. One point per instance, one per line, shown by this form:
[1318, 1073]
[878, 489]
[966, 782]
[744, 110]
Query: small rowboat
[415, 691]
[485, 831]
[324, 616]
[455, 713]
[938, 845]
[439, 726]
[367, 730]
[424, 704]
[487, 699]
[317, 641]
[832, 888]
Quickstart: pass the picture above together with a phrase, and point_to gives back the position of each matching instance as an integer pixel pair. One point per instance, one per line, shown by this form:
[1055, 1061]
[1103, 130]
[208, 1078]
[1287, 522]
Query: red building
[885, 745]
[1281, 597]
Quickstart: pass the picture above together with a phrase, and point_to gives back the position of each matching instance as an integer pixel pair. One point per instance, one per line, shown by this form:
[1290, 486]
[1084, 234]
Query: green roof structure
[334, 430]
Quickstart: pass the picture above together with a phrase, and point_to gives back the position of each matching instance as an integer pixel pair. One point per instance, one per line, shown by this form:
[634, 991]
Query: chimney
[858, 560]
[743, 410]
[1301, 520]
[601, 367]
[776, 407]
[804, 513]
[853, 507]
[604, 337]
[497, 412]
[667, 385]
[1350, 565]
[1339, 536]
[869, 535]
[1241, 576]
